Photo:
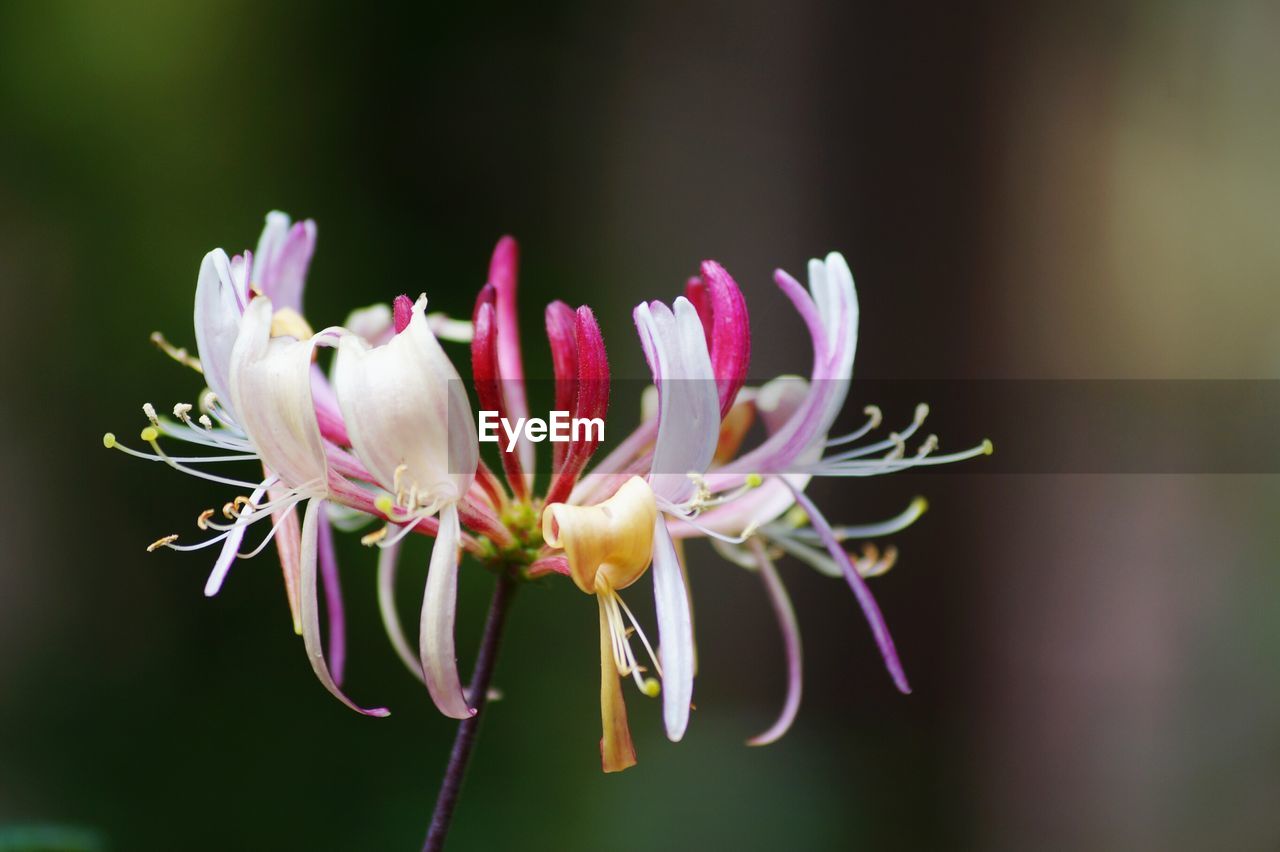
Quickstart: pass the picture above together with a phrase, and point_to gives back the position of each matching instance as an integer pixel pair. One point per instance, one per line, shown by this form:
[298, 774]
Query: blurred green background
[1022, 190]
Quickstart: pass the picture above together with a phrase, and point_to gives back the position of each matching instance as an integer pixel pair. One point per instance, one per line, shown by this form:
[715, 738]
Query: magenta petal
[560, 321]
[730, 339]
[311, 609]
[860, 591]
[502, 275]
[333, 602]
[489, 389]
[696, 291]
[790, 628]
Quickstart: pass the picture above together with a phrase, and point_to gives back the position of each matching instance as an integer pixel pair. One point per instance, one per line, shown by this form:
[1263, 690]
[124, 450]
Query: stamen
[874, 419]
[178, 354]
[149, 410]
[161, 542]
[644, 639]
[370, 539]
[921, 412]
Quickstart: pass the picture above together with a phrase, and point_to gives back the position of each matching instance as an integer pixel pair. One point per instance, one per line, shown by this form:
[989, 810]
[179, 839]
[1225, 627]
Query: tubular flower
[394, 398]
[387, 444]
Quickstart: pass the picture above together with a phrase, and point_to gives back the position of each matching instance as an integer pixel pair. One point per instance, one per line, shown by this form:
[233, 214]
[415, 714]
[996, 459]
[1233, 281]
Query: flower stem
[465, 739]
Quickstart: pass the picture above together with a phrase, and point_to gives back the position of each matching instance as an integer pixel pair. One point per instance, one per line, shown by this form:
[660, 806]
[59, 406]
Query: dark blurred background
[1028, 191]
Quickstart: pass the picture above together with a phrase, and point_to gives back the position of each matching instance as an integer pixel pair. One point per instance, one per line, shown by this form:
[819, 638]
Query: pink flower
[390, 440]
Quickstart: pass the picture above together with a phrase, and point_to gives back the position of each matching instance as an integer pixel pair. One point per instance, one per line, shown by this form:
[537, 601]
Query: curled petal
[613, 540]
[311, 609]
[439, 611]
[790, 628]
[688, 402]
[830, 311]
[675, 629]
[870, 609]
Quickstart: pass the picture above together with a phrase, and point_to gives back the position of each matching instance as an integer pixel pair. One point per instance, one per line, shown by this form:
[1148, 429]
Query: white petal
[404, 404]
[311, 610]
[688, 400]
[219, 304]
[675, 632]
[231, 544]
[439, 611]
[271, 393]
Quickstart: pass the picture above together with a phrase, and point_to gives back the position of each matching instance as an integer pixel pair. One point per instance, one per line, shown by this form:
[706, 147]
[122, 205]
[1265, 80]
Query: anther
[374, 537]
[203, 520]
[205, 422]
[150, 410]
[922, 411]
[161, 542]
[182, 411]
[229, 512]
[874, 415]
[930, 444]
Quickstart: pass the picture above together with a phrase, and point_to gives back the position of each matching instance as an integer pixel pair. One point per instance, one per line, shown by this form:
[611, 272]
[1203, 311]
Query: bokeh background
[1032, 191]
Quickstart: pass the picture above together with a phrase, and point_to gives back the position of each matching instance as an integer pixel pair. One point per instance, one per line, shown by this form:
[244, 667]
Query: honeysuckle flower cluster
[385, 443]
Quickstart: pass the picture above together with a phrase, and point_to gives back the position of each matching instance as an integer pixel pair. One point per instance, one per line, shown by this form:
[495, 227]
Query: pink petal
[790, 628]
[328, 559]
[870, 609]
[311, 610]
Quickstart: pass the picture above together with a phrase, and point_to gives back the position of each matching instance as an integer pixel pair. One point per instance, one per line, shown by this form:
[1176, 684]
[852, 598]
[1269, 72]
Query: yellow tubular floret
[611, 541]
